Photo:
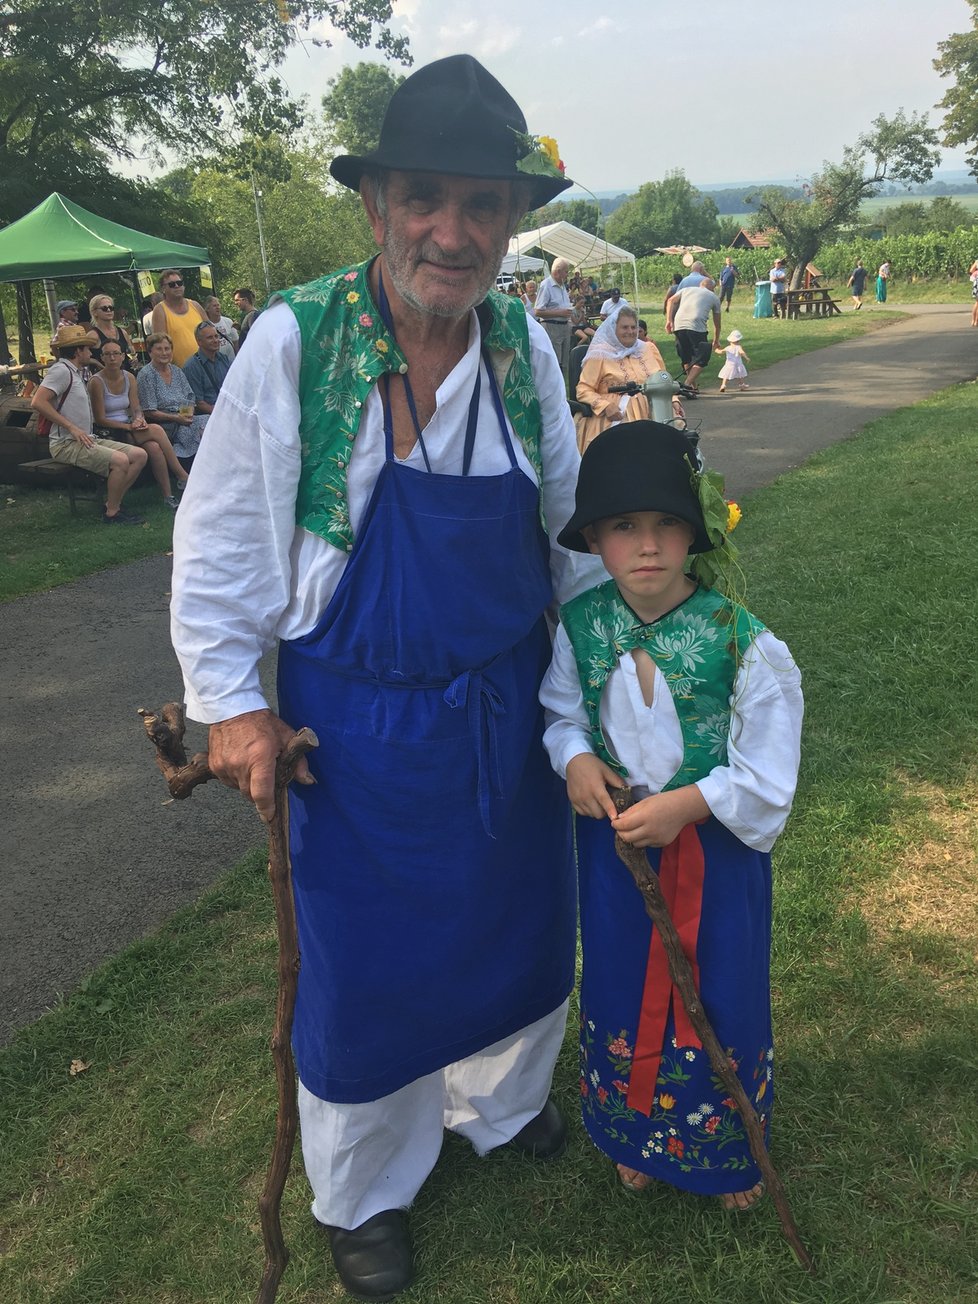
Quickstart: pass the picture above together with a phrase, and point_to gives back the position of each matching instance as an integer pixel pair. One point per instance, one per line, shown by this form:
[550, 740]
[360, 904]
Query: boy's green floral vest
[697, 646]
[346, 348]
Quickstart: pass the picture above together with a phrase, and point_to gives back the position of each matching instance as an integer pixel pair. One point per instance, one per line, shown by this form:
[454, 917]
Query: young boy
[666, 686]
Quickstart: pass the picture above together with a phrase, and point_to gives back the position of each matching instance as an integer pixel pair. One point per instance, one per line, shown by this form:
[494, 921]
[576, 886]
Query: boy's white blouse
[751, 794]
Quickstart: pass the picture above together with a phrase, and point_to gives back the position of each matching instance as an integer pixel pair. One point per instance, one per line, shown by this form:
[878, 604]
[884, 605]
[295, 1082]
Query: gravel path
[96, 858]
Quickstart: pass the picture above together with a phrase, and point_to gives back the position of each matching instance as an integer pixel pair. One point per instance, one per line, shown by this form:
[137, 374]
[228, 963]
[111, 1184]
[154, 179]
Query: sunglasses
[172, 284]
[106, 307]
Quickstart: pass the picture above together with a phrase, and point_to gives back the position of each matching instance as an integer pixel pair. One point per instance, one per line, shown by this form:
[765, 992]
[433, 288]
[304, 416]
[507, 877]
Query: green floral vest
[698, 647]
[346, 348]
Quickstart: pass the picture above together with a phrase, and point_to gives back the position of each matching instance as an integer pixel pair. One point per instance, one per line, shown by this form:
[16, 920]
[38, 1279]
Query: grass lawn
[42, 544]
[136, 1179]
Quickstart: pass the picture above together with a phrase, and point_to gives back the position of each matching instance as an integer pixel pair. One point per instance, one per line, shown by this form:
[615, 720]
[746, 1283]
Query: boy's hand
[588, 780]
[658, 820]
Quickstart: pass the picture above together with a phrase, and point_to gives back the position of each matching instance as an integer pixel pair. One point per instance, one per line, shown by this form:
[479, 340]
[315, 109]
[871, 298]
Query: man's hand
[588, 780]
[242, 753]
[657, 820]
[81, 436]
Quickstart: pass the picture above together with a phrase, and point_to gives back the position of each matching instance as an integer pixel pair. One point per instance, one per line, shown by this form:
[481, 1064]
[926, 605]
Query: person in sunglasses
[102, 309]
[177, 316]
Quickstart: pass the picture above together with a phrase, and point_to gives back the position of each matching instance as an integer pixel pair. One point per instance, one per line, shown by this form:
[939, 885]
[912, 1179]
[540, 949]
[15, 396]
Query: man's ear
[368, 197]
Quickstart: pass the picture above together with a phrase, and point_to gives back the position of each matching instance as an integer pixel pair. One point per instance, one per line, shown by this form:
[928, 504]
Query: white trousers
[361, 1159]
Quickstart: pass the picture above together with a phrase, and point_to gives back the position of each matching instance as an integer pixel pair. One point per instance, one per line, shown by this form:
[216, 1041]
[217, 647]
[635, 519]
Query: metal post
[261, 234]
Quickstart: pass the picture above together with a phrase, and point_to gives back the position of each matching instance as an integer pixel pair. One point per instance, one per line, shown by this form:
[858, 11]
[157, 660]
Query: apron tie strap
[483, 704]
[681, 870]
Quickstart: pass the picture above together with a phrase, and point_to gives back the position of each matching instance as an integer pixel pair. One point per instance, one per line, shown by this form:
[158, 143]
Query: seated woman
[168, 400]
[117, 414]
[616, 356]
[102, 309]
[581, 332]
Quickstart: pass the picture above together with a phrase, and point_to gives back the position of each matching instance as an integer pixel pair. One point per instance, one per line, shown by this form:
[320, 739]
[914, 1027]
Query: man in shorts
[63, 400]
[687, 314]
[778, 277]
[857, 283]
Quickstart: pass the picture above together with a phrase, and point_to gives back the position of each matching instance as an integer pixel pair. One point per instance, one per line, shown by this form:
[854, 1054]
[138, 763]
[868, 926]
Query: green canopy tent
[62, 240]
[59, 239]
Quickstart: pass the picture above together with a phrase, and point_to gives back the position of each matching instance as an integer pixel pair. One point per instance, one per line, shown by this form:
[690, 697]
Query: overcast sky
[751, 92]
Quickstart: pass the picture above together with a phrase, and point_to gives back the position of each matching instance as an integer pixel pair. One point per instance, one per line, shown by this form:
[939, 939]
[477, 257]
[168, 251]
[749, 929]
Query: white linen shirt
[245, 575]
[751, 794]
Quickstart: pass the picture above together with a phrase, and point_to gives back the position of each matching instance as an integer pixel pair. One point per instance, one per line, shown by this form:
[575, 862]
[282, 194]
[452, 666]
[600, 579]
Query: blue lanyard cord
[473, 415]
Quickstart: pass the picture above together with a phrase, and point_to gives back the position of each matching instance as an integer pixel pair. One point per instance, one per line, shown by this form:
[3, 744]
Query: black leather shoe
[374, 1260]
[544, 1137]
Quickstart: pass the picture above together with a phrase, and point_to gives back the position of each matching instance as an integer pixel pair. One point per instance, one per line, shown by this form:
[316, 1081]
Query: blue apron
[432, 861]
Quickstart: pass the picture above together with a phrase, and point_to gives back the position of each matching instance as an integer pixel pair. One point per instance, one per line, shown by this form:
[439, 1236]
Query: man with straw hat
[375, 493]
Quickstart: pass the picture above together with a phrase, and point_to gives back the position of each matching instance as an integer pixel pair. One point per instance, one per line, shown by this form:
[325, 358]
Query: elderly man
[207, 368]
[687, 313]
[553, 307]
[67, 310]
[63, 399]
[695, 276]
[778, 277]
[371, 494]
[177, 316]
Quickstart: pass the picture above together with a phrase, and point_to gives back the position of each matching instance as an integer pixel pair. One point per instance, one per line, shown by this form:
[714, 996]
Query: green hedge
[934, 256]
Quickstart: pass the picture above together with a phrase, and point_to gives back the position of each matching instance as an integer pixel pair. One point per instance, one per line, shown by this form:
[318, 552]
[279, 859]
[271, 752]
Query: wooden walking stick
[681, 973]
[166, 730]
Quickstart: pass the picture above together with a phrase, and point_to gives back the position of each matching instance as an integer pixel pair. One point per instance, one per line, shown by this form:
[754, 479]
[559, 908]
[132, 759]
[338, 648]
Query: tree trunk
[25, 322]
[6, 357]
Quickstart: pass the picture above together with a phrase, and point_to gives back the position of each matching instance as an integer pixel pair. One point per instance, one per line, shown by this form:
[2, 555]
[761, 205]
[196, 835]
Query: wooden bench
[75, 478]
[816, 301]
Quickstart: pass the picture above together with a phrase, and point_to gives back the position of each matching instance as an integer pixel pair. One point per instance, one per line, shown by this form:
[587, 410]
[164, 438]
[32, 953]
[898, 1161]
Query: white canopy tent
[518, 264]
[581, 249]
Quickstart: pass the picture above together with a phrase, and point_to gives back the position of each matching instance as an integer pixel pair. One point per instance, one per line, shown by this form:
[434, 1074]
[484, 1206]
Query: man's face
[241, 303]
[70, 313]
[208, 341]
[443, 237]
[83, 356]
[615, 295]
[560, 272]
[173, 287]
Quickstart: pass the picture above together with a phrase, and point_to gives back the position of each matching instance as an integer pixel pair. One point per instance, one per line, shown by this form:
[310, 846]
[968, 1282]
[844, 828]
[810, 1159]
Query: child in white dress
[733, 368]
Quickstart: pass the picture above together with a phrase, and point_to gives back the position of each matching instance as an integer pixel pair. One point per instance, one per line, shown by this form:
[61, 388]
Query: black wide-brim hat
[453, 117]
[637, 466]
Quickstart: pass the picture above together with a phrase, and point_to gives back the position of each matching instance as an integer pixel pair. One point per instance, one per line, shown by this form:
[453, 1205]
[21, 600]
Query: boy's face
[644, 553]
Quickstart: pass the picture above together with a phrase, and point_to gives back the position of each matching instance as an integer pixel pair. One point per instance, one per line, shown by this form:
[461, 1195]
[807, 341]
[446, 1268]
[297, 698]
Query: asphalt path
[94, 854]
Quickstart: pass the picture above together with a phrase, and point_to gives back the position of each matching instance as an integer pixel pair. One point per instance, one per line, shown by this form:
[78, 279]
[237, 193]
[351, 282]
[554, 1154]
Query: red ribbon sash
[681, 869]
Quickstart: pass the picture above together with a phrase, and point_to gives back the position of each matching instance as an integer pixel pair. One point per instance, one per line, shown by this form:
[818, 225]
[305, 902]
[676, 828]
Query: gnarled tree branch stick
[681, 974]
[166, 730]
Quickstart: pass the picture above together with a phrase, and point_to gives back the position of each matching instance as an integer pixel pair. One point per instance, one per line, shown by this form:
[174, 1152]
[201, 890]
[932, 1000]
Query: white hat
[734, 337]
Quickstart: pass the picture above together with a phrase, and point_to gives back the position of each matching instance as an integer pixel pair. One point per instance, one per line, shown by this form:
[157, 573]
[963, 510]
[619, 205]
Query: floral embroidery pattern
[345, 350]
[695, 656]
[682, 1129]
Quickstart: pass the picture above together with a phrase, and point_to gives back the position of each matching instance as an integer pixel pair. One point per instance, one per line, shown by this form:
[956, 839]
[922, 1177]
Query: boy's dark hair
[69, 350]
[643, 325]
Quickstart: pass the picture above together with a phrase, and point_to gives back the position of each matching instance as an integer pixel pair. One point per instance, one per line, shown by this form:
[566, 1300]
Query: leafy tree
[582, 213]
[946, 214]
[959, 60]
[900, 148]
[355, 104]
[671, 211]
[908, 218]
[100, 79]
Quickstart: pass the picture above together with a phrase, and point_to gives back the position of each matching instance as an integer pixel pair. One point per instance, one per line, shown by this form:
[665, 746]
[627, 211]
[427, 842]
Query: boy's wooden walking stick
[166, 730]
[681, 973]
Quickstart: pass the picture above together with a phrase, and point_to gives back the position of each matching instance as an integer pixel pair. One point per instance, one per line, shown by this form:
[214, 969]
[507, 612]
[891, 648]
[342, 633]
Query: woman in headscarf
[616, 356]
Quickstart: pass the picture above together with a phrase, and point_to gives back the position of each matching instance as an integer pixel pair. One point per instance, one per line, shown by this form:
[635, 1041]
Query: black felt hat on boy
[452, 117]
[638, 466]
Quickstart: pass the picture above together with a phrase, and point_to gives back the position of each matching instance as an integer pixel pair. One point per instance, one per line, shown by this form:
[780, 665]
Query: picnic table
[816, 301]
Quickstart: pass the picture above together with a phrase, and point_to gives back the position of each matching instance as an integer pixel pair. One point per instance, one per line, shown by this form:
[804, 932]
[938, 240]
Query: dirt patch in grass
[932, 890]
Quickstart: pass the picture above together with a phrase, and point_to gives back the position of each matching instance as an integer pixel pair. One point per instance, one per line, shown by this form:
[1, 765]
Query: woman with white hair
[616, 356]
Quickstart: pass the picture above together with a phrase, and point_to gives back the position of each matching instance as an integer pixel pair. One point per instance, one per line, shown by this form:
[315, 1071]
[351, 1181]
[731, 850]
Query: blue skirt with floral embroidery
[694, 1137]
